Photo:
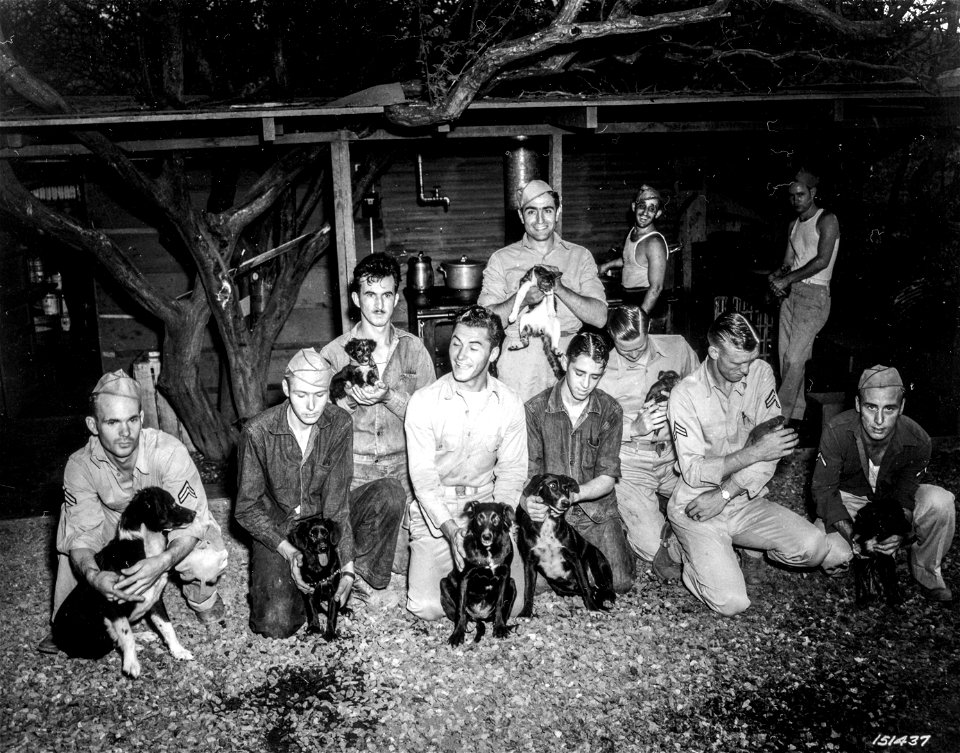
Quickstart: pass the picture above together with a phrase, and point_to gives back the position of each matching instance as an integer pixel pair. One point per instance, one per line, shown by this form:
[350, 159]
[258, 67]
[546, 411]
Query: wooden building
[718, 160]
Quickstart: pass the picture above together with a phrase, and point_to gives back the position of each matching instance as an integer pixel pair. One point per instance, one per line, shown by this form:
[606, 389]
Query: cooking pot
[420, 274]
[464, 274]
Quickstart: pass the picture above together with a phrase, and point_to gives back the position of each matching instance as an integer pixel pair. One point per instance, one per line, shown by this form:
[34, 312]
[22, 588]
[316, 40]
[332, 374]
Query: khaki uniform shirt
[708, 425]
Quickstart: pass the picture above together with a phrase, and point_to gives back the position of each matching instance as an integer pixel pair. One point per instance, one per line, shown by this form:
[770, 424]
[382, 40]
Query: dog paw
[181, 654]
[456, 638]
[330, 635]
[131, 667]
[502, 631]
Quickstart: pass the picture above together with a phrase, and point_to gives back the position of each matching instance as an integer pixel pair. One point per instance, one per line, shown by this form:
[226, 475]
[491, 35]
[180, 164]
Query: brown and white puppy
[572, 565]
[541, 318]
[88, 625]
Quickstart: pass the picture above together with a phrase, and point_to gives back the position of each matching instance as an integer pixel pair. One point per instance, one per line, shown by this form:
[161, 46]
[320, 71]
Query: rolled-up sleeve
[826, 481]
[765, 406]
[81, 517]
[421, 458]
[253, 503]
[512, 457]
[494, 289]
[697, 470]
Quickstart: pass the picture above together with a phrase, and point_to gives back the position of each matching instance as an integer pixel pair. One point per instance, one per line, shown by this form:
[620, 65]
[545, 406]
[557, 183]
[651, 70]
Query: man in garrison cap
[296, 460]
[579, 292]
[873, 450]
[121, 458]
[804, 280]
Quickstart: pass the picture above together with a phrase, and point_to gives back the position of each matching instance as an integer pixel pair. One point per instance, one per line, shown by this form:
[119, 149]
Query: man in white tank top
[812, 246]
[644, 258]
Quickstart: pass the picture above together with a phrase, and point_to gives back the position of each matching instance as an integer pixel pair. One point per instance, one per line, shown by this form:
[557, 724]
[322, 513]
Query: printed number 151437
[906, 740]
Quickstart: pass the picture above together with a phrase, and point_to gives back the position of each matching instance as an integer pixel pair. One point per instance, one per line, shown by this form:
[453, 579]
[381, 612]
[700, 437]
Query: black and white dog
[540, 318]
[362, 371]
[88, 625]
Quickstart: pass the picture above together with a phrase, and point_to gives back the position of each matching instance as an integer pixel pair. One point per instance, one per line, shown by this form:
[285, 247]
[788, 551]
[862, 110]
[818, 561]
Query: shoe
[47, 645]
[664, 567]
[753, 569]
[940, 595]
[366, 596]
[213, 615]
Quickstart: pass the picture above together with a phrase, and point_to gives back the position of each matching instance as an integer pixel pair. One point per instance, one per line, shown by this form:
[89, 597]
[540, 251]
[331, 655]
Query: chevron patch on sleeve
[772, 399]
[678, 430]
[186, 491]
[68, 498]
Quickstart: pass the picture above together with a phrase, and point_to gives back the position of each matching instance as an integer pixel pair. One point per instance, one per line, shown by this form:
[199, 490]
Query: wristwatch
[725, 494]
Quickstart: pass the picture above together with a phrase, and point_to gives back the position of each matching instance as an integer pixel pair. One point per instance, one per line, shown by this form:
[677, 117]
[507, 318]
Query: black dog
[87, 625]
[556, 549]
[317, 537]
[875, 574]
[362, 373]
[484, 591]
[759, 431]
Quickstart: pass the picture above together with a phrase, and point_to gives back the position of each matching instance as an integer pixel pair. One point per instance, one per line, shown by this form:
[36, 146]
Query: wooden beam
[555, 171]
[343, 218]
[581, 119]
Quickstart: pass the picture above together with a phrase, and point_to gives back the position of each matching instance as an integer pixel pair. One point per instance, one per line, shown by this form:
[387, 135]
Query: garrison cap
[531, 191]
[648, 192]
[117, 383]
[807, 178]
[880, 376]
[308, 366]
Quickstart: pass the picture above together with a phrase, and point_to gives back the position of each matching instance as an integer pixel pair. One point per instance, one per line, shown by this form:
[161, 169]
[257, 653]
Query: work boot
[753, 569]
[365, 596]
[939, 595]
[664, 567]
[47, 645]
[214, 614]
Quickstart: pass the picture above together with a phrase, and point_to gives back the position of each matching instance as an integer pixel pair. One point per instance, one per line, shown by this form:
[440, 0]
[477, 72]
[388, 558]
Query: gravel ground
[802, 669]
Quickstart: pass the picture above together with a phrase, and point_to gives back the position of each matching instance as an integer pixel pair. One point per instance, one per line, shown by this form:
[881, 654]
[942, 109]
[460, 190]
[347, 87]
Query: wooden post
[555, 171]
[343, 219]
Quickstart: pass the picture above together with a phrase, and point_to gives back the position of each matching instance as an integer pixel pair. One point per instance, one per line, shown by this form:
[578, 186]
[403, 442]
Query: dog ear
[660, 375]
[295, 538]
[334, 529]
[532, 485]
[509, 516]
[468, 509]
[569, 485]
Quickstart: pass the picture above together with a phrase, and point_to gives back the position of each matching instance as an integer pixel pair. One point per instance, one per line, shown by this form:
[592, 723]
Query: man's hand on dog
[139, 577]
[535, 508]
[706, 506]
[888, 546]
[294, 558]
[652, 417]
[347, 578]
[454, 534]
[368, 395]
[106, 583]
[775, 445]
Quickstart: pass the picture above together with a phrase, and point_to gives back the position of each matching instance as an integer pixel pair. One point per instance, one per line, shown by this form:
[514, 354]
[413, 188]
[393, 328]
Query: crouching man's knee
[729, 604]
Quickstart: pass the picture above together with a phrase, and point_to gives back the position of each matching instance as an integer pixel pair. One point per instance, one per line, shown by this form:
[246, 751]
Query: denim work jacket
[279, 485]
[842, 466]
[583, 452]
[378, 429]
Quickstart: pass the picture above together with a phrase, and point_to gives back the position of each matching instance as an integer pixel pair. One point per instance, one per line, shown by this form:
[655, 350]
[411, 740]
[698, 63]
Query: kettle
[420, 275]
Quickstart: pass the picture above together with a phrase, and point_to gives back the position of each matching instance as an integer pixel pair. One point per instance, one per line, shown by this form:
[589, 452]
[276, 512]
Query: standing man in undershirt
[404, 366]
[806, 271]
[644, 259]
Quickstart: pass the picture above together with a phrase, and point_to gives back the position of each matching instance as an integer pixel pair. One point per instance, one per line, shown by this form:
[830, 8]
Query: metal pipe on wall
[521, 164]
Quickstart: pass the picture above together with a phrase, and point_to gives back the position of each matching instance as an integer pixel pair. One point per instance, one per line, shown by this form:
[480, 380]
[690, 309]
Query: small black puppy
[556, 549]
[363, 373]
[484, 590]
[875, 574]
[317, 537]
[659, 391]
[87, 625]
[759, 431]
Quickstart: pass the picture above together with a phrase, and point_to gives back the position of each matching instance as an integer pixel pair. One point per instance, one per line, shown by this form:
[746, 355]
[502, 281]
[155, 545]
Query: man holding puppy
[403, 365]
[875, 448]
[296, 460]
[720, 501]
[121, 458]
[467, 441]
[579, 292]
